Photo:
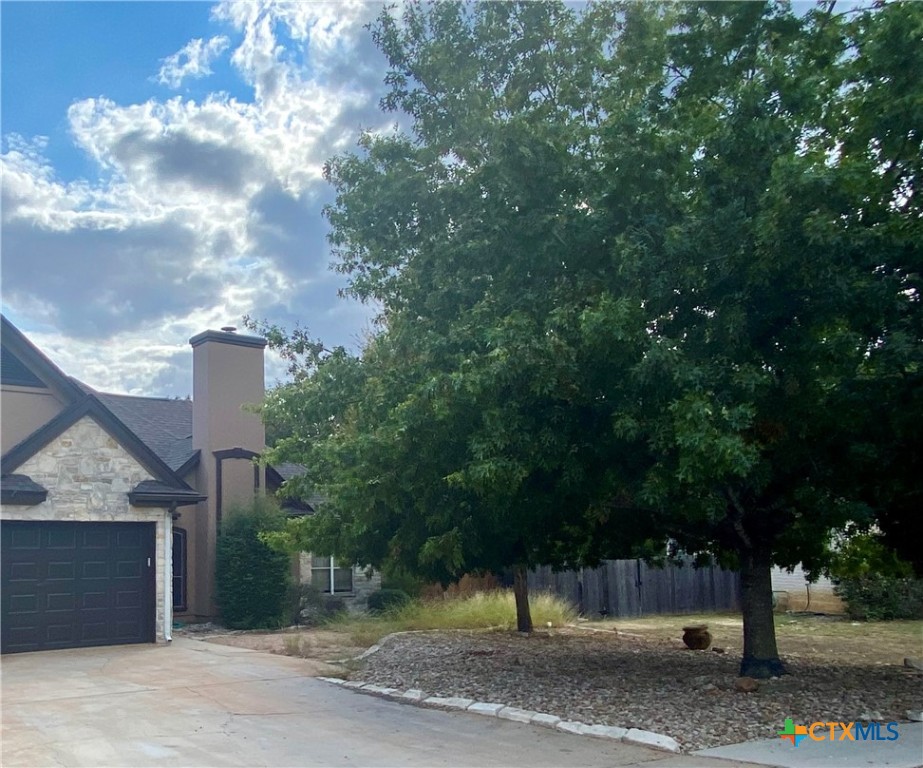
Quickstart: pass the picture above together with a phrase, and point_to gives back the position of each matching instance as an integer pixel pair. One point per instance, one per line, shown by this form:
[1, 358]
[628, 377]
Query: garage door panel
[128, 569]
[64, 537]
[93, 600]
[126, 629]
[128, 599]
[97, 633]
[24, 538]
[60, 601]
[61, 570]
[71, 591]
[24, 571]
[129, 538]
[95, 569]
[24, 604]
[59, 635]
[95, 538]
[22, 636]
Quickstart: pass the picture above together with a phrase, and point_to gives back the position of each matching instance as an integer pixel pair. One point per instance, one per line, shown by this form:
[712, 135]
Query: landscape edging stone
[514, 714]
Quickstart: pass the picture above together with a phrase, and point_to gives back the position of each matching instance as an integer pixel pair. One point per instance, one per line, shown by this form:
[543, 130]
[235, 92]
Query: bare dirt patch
[326, 651]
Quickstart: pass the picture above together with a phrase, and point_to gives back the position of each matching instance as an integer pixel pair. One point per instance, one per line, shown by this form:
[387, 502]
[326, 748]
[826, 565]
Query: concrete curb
[492, 709]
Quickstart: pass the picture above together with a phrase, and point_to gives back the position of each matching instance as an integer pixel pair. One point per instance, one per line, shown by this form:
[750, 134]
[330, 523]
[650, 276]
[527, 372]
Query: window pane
[343, 580]
[179, 569]
[320, 561]
[320, 579]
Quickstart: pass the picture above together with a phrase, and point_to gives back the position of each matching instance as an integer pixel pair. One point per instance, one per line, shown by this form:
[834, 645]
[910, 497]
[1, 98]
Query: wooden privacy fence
[633, 588]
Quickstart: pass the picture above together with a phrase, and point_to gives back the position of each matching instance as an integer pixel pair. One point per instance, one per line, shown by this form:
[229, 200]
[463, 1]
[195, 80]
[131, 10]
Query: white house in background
[793, 592]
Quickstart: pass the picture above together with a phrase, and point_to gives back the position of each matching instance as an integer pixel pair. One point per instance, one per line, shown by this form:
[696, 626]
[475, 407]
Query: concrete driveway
[200, 704]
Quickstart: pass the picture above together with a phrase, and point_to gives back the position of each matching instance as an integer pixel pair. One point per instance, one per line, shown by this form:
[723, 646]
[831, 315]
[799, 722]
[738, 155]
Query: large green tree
[649, 272]
[780, 279]
[457, 451]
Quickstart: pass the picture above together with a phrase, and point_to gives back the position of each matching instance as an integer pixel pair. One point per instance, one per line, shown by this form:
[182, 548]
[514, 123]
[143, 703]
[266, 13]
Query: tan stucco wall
[201, 546]
[22, 411]
[189, 520]
[88, 476]
[226, 376]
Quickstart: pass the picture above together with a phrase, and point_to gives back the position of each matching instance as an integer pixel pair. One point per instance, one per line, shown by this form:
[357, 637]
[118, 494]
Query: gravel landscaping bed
[610, 678]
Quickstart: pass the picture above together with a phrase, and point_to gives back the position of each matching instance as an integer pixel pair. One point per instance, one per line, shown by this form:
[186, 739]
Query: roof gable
[92, 407]
[163, 425]
[31, 366]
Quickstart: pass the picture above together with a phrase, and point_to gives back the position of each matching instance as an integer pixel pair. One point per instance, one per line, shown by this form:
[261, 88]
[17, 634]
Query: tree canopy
[648, 272]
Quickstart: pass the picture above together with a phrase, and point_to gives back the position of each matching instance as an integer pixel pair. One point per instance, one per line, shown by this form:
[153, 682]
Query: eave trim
[19, 498]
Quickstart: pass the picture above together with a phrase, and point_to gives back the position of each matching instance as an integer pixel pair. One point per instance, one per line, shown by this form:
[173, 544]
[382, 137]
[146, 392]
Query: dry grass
[818, 638]
[348, 636]
[482, 610]
[802, 638]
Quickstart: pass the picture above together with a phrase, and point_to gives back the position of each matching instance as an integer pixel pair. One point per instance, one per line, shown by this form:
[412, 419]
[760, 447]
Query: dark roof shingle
[164, 425]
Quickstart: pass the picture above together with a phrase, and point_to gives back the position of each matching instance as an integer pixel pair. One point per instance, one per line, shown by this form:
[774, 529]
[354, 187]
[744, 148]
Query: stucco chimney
[227, 375]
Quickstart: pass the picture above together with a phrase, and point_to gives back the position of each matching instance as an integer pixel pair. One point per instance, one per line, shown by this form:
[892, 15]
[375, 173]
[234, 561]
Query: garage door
[69, 585]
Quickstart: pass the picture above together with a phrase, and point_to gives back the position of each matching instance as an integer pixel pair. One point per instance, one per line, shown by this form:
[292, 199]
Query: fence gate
[633, 588]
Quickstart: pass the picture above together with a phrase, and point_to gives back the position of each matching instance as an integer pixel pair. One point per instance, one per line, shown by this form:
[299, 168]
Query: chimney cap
[226, 337]
[229, 329]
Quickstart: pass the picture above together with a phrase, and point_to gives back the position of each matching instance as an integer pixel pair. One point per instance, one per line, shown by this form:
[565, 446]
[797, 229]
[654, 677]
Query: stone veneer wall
[88, 476]
[364, 583]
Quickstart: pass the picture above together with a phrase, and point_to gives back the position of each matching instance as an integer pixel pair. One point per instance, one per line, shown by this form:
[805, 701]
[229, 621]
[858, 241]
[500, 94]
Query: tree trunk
[521, 591]
[761, 656]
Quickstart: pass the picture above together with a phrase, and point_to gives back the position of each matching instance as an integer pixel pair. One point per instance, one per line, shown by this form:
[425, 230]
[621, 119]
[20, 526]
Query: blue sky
[78, 50]
[162, 175]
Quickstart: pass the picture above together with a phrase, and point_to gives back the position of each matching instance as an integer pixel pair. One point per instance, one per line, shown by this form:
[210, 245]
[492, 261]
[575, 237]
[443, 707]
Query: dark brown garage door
[68, 585]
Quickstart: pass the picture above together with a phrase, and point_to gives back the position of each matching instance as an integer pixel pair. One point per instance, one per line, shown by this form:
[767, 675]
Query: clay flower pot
[697, 637]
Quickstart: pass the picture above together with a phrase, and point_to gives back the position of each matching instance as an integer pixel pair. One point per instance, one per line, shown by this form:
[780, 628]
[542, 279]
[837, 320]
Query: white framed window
[329, 577]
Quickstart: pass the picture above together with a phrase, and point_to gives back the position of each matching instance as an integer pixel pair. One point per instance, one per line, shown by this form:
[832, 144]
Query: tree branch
[737, 519]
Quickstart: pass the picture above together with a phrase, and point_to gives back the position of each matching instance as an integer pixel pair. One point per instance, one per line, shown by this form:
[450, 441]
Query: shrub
[875, 597]
[384, 599]
[873, 582]
[334, 606]
[312, 608]
[251, 579]
[393, 577]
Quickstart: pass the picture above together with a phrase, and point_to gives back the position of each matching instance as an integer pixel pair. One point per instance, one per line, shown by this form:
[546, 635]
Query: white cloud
[192, 60]
[201, 211]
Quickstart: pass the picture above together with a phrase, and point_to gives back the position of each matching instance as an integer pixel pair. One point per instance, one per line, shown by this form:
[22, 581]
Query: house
[793, 591]
[110, 505]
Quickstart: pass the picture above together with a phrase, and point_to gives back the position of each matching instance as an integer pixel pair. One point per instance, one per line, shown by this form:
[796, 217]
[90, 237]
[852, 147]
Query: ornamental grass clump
[483, 610]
